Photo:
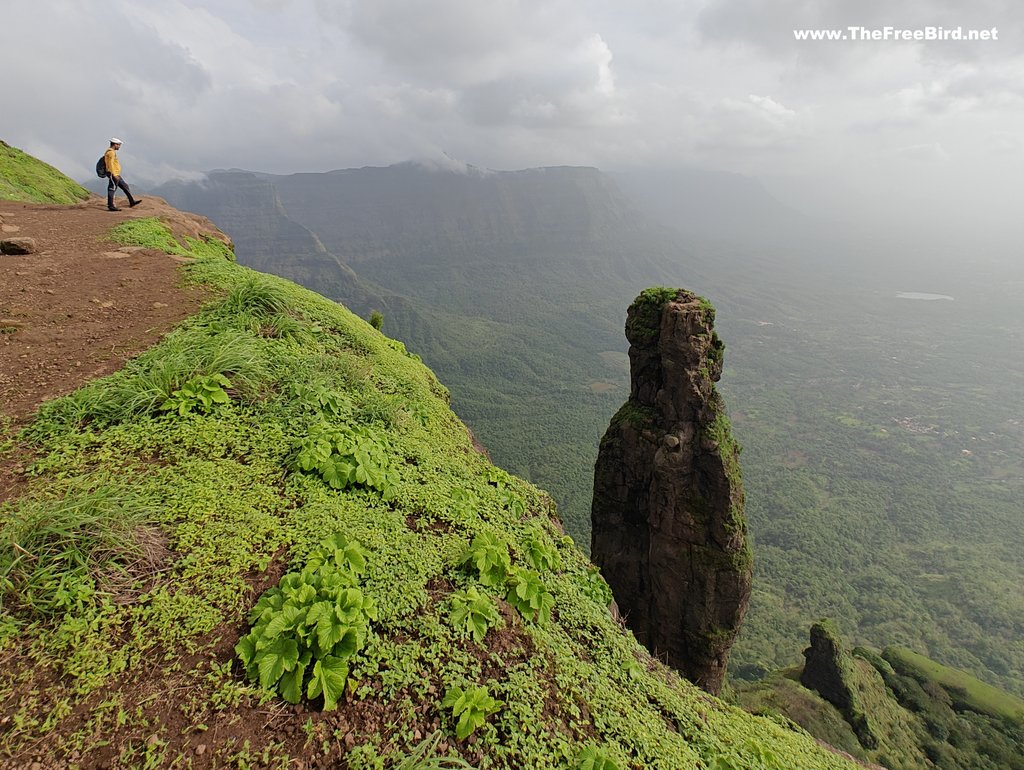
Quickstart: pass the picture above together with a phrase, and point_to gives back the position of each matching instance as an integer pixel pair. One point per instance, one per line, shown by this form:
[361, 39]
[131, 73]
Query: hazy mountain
[710, 204]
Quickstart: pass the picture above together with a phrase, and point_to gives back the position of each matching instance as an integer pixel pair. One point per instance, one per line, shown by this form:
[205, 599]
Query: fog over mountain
[918, 141]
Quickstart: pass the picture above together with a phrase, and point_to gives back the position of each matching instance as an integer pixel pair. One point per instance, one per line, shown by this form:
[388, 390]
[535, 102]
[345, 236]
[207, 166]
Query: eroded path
[81, 305]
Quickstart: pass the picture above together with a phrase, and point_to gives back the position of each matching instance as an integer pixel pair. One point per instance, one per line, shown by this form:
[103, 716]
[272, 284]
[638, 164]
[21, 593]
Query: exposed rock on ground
[668, 527]
[18, 246]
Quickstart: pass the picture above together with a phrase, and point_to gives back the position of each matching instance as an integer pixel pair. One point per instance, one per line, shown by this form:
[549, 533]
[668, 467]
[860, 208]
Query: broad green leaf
[287, 620]
[451, 697]
[246, 649]
[466, 725]
[329, 631]
[317, 611]
[329, 675]
[274, 660]
[291, 683]
[348, 644]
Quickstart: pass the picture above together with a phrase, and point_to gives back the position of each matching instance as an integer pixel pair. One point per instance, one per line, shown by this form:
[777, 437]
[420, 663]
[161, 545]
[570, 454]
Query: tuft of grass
[424, 757]
[148, 232]
[148, 381]
[257, 296]
[28, 179]
[151, 233]
[54, 552]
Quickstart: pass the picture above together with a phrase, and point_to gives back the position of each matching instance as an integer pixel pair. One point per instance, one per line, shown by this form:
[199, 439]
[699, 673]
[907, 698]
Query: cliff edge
[668, 528]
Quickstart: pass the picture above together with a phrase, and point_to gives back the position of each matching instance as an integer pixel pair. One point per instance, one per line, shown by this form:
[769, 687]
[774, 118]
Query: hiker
[114, 179]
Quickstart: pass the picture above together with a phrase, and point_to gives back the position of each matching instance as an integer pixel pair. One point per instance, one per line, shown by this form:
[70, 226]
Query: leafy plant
[201, 393]
[471, 707]
[541, 556]
[754, 756]
[497, 477]
[348, 456]
[594, 758]
[474, 612]
[527, 594]
[511, 501]
[318, 398]
[464, 501]
[632, 669]
[420, 413]
[488, 556]
[377, 319]
[340, 552]
[597, 588]
[308, 627]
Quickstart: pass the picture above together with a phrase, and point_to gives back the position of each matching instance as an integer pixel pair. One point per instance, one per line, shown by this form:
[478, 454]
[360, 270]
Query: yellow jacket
[113, 164]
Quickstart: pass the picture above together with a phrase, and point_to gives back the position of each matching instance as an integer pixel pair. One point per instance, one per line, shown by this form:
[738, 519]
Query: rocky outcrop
[830, 670]
[669, 532]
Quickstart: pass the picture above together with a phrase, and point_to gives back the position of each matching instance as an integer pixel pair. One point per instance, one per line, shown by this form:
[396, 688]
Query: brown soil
[82, 305]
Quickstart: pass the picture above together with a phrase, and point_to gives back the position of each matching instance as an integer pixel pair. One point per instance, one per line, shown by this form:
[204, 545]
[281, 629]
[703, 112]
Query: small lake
[921, 295]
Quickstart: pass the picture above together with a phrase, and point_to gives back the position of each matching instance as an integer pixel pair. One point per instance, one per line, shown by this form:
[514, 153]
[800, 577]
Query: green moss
[709, 309]
[643, 323]
[635, 414]
[24, 178]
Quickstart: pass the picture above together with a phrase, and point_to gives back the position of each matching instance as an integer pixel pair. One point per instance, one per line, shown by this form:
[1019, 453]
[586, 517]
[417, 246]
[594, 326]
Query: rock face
[668, 528]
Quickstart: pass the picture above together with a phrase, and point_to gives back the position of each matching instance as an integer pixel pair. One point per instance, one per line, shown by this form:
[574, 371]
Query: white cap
[115, 140]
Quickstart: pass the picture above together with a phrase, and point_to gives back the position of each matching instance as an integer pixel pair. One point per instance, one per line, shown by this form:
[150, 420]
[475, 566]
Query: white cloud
[284, 85]
[932, 152]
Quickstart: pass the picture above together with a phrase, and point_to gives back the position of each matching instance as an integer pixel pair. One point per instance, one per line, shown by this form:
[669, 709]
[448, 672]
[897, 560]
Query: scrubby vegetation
[24, 178]
[307, 559]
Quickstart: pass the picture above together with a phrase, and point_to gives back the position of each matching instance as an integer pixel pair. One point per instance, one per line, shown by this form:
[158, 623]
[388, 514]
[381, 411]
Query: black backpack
[101, 167]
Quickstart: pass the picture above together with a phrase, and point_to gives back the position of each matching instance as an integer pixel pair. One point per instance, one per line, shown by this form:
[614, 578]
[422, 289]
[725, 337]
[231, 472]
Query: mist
[912, 148]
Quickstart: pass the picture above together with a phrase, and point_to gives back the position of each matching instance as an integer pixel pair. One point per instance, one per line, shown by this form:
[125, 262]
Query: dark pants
[113, 182]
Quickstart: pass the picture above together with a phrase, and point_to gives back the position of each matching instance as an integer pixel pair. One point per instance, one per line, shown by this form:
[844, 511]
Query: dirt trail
[82, 305]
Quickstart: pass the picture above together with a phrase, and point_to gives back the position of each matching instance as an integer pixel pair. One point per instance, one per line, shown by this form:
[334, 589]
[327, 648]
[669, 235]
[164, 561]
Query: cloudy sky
[904, 129]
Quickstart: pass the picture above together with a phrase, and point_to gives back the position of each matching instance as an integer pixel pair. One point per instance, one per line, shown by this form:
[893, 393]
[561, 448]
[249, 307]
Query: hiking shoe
[134, 203]
[113, 208]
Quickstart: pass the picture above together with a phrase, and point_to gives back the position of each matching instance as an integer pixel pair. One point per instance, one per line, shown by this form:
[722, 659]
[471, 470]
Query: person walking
[114, 179]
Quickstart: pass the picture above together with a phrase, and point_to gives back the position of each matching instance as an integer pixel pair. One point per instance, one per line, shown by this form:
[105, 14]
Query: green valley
[882, 436]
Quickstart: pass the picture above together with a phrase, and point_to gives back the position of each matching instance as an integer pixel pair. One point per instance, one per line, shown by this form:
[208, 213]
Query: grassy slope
[964, 688]
[97, 628]
[24, 178]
